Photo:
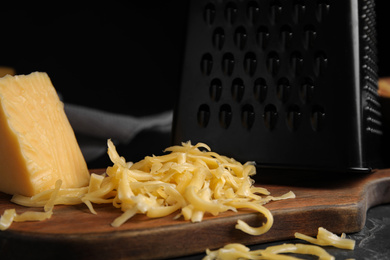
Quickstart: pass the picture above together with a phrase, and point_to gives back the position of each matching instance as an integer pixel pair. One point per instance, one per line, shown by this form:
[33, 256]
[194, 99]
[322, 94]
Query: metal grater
[286, 83]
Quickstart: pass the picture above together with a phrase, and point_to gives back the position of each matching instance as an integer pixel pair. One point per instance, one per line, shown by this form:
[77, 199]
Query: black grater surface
[285, 83]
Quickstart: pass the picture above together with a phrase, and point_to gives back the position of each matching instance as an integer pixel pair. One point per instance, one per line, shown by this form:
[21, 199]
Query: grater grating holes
[283, 90]
[293, 117]
[260, 90]
[306, 91]
[228, 63]
[253, 11]
[237, 89]
[275, 11]
[240, 37]
[218, 38]
[231, 12]
[215, 90]
[323, 7]
[296, 63]
[317, 118]
[263, 37]
[209, 13]
[286, 36]
[250, 63]
[248, 116]
[369, 68]
[225, 115]
[245, 33]
[321, 62]
[203, 115]
[310, 35]
[273, 63]
[299, 10]
[270, 116]
[206, 64]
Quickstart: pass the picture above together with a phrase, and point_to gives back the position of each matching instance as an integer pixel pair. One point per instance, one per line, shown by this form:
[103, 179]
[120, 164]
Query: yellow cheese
[37, 143]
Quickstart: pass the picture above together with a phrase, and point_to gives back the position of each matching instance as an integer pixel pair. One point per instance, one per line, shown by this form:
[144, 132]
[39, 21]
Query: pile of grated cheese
[191, 180]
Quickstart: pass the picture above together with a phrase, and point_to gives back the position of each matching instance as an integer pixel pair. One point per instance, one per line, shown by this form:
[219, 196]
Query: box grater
[290, 84]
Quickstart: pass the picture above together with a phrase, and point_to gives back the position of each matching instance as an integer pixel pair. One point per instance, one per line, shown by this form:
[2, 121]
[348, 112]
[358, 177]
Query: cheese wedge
[37, 142]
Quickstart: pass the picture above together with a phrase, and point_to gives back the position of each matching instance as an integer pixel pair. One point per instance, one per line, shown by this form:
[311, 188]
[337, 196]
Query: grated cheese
[10, 215]
[236, 251]
[327, 238]
[190, 178]
[239, 251]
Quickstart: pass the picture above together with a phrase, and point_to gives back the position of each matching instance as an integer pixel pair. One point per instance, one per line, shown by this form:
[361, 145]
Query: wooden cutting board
[338, 203]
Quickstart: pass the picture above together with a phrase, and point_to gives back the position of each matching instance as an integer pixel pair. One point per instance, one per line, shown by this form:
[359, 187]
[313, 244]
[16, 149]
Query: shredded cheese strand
[327, 238]
[33, 216]
[124, 217]
[50, 203]
[241, 225]
[7, 218]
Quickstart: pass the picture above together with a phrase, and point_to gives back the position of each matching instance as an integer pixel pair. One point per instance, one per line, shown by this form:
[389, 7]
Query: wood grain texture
[336, 202]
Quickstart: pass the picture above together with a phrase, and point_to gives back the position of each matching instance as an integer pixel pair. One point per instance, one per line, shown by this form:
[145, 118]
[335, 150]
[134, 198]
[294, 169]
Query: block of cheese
[37, 142]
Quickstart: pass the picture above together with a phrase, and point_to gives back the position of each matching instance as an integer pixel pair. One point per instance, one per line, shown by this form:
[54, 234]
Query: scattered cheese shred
[7, 218]
[324, 238]
[190, 178]
[10, 215]
[327, 238]
[239, 251]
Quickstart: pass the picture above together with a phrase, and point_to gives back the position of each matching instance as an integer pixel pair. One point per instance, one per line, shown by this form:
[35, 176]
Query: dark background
[118, 56]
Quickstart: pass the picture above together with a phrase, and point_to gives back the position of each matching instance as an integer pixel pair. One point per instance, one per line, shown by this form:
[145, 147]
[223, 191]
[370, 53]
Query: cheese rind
[38, 145]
